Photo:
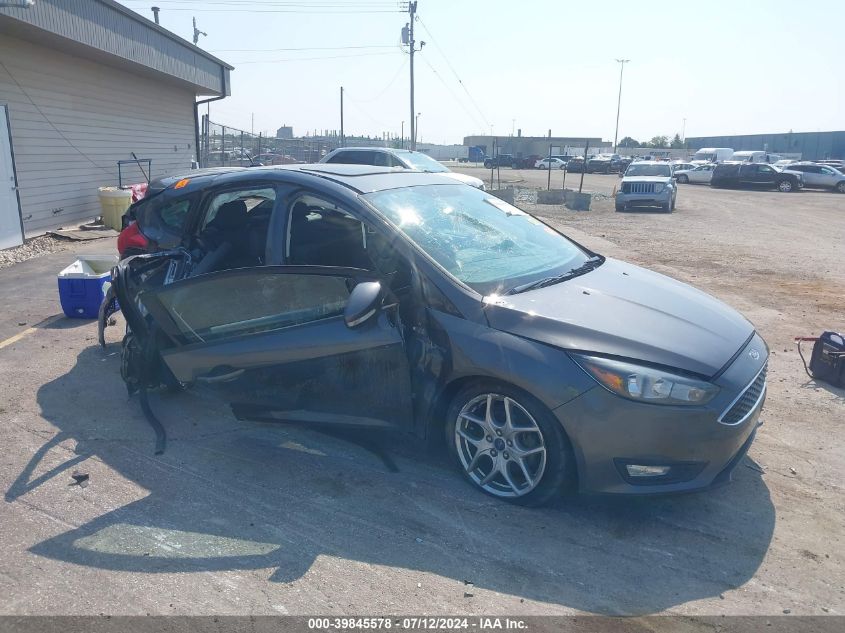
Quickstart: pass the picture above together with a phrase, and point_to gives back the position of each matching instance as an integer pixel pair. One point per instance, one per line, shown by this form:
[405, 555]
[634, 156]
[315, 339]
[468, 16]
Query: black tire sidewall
[559, 474]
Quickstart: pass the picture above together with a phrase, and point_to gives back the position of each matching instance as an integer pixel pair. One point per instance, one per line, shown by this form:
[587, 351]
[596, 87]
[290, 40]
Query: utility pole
[408, 39]
[252, 124]
[197, 33]
[402, 136]
[342, 140]
[684, 130]
[622, 63]
[416, 129]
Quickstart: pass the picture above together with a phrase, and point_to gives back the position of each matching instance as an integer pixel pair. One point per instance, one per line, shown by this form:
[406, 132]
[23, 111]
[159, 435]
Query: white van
[712, 155]
[756, 156]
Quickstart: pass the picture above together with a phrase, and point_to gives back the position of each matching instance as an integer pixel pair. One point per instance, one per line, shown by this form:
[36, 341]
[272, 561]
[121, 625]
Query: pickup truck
[606, 163]
[501, 160]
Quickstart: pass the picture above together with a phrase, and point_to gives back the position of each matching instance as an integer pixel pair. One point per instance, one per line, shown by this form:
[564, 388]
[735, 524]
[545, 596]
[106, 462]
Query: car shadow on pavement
[229, 495]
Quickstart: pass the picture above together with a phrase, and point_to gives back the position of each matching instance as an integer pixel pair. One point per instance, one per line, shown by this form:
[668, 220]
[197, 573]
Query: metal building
[811, 145]
[84, 84]
[537, 145]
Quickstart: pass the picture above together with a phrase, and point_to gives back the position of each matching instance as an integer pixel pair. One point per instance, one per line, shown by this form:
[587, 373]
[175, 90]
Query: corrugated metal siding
[88, 116]
[108, 28]
[811, 145]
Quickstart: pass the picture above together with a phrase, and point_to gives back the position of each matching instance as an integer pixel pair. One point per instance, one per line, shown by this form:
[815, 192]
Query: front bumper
[645, 199]
[608, 432]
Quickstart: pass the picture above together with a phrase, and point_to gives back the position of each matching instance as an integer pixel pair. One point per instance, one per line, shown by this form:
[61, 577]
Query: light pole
[684, 131]
[513, 126]
[416, 129]
[622, 63]
[402, 136]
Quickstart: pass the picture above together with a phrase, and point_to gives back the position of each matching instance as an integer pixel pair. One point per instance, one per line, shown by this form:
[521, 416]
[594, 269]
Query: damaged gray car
[365, 297]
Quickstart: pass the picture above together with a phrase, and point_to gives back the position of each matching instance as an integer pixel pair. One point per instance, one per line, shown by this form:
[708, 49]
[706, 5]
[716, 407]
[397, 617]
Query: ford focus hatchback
[407, 302]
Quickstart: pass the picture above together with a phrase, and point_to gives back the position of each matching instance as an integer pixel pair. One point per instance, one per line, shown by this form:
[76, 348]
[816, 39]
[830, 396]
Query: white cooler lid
[90, 268]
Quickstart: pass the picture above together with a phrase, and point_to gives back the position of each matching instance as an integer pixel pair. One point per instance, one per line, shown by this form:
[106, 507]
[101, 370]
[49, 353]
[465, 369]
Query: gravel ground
[34, 247]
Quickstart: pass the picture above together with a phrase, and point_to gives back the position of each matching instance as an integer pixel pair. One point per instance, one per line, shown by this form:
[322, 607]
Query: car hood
[472, 181]
[623, 310]
[646, 178]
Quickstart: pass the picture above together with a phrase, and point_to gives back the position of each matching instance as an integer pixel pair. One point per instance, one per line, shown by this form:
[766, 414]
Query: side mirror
[621, 174]
[364, 303]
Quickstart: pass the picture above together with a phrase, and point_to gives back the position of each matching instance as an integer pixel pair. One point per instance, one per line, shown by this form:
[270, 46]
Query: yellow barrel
[114, 203]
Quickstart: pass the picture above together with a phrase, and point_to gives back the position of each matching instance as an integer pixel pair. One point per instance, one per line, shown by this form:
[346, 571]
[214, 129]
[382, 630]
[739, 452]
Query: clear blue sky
[727, 66]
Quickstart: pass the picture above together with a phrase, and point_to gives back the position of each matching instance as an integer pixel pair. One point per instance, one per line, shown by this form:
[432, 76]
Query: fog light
[640, 470]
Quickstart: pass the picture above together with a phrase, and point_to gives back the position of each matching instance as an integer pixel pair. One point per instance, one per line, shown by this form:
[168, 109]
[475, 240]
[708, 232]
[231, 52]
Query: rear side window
[162, 218]
[353, 158]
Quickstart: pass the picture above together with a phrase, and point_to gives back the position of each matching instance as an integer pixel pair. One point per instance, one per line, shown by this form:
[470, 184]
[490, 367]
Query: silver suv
[647, 183]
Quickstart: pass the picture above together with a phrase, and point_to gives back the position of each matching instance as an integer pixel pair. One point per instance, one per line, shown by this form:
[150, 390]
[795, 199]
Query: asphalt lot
[238, 518]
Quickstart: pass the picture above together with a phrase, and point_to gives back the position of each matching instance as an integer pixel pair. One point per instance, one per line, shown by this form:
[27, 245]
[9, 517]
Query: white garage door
[73, 119]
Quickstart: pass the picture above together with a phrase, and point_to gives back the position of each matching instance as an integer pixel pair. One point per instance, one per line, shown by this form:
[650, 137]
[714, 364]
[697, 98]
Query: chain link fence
[224, 146]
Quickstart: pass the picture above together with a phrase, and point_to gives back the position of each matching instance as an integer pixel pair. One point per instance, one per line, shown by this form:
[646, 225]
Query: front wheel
[683, 179]
[785, 186]
[508, 444]
[620, 207]
[840, 187]
[562, 167]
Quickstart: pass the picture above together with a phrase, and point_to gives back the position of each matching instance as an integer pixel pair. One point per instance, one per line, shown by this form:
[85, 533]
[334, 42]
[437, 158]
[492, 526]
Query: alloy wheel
[785, 186]
[500, 445]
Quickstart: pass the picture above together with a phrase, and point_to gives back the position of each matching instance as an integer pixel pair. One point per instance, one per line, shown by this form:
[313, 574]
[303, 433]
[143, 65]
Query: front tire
[683, 179]
[785, 186]
[508, 444]
[840, 187]
[620, 207]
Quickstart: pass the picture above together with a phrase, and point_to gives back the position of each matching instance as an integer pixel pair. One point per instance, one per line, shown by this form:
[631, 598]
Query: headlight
[658, 187]
[646, 384]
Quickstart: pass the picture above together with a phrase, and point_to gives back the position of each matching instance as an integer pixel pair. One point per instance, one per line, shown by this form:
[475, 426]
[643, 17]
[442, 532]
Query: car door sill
[260, 413]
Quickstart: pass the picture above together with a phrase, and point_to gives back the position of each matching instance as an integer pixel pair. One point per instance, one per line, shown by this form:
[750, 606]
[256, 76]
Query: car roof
[651, 162]
[358, 178]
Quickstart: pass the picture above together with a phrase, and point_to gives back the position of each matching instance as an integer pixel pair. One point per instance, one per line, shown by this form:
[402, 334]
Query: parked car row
[785, 177]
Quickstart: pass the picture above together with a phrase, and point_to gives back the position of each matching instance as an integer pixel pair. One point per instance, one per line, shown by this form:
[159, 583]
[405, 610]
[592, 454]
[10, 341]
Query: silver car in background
[821, 176]
[404, 158]
[700, 174]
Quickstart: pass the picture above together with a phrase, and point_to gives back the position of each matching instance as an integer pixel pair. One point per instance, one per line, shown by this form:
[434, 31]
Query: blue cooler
[83, 285]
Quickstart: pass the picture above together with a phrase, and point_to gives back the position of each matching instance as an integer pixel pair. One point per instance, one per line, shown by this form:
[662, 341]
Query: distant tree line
[656, 142]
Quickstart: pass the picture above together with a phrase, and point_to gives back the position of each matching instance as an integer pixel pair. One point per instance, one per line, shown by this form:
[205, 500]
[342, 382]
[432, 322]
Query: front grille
[748, 399]
[637, 187]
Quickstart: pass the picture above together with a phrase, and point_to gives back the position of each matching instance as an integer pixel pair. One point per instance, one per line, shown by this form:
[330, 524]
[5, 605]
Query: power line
[307, 59]
[280, 4]
[389, 83]
[454, 72]
[306, 48]
[303, 9]
[451, 92]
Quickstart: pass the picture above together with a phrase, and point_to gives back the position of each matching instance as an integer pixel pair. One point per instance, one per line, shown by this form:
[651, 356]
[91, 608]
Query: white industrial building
[83, 85]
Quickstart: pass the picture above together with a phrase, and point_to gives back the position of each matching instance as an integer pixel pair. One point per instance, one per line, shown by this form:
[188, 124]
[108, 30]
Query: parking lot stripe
[17, 337]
